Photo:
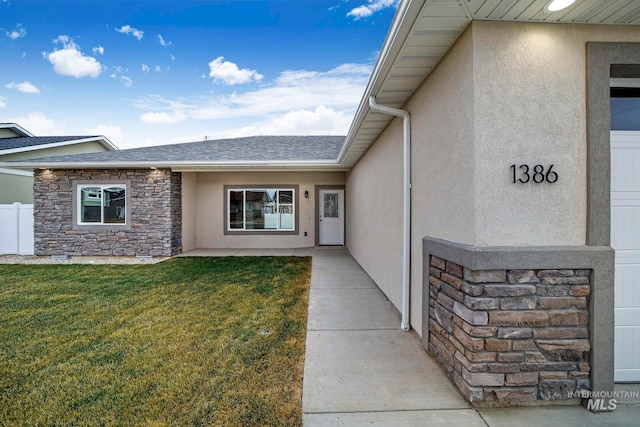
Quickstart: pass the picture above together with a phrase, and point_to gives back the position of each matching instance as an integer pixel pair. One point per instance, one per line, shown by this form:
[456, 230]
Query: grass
[190, 341]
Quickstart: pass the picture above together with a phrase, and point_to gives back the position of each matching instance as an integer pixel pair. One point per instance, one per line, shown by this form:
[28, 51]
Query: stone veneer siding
[154, 214]
[510, 336]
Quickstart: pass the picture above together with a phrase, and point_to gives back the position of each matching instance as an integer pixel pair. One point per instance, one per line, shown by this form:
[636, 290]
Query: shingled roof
[308, 150]
[33, 141]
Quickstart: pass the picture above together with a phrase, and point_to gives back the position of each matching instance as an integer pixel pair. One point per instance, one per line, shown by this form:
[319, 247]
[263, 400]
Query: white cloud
[128, 29]
[173, 58]
[3, 102]
[98, 50]
[370, 8]
[298, 101]
[118, 72]
[229, 73]
[17, 33]
[126, 81]
[157, 69]
[70, 61]
[39, 124]
[26, 87]
[162, 41]
[338, 88]
[163, 118]
[114, 133]
[321, 121]
[145, 68]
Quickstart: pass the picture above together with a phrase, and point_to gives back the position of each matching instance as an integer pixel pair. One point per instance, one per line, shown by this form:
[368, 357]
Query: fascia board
[15, 172]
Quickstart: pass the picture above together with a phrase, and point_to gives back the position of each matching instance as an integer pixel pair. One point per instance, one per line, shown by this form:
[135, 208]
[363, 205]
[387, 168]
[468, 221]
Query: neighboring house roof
[255, 151]
[37, 141]
[423, 31]
[43, 142]
[18, 130]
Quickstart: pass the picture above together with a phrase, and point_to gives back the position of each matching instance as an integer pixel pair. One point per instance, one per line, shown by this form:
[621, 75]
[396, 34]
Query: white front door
[331, 217]
[625, 239]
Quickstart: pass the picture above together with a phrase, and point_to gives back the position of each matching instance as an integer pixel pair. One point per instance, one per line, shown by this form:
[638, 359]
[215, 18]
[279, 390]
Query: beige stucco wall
[505, 93]
[374, 212]
[205, 216]
[189, 207]
[442, 159]
[530, 95]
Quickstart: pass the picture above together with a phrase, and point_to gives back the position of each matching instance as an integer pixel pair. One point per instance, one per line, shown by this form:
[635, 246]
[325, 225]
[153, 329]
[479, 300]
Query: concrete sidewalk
[361, 369]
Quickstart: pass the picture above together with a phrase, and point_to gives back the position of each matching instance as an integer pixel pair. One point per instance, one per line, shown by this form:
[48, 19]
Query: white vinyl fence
[16, 229]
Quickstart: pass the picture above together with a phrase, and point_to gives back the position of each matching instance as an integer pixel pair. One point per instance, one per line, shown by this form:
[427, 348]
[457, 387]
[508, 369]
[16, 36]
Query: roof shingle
[254, 148]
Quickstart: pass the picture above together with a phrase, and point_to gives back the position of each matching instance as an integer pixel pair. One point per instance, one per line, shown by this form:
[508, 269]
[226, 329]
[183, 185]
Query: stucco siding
[442, 151]
[210, 215]
[442, 154]
[374, 212]
[189, 207]
[530, 95]
[443, 159]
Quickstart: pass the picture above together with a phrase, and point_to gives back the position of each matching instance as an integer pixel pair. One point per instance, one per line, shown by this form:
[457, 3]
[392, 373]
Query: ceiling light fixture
[556, 5]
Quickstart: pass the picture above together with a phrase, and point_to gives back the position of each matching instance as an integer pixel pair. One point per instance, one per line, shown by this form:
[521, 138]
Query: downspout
[406, 203]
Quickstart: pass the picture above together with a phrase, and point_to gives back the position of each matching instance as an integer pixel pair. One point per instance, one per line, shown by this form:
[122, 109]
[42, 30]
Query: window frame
[77, 205]
[244, 231]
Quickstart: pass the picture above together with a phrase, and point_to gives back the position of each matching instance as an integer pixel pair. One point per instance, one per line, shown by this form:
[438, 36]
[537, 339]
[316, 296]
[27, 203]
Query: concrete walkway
[361, 369]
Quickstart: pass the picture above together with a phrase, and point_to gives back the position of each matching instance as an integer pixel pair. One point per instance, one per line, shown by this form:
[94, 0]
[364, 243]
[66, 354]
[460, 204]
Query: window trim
[77, 225]
[249, 187]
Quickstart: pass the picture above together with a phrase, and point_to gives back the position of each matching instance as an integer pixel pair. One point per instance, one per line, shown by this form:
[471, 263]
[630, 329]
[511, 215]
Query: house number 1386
[537, 174]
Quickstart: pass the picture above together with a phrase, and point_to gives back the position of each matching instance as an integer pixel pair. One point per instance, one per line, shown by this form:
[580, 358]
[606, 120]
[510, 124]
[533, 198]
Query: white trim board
[16, 172]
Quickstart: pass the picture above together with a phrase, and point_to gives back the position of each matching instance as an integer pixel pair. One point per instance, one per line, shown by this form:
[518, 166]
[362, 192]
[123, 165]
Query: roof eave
[408, 11]
[184, 165]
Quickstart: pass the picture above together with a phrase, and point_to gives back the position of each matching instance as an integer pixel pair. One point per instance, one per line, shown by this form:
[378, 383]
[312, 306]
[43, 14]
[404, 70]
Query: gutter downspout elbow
[406, 204]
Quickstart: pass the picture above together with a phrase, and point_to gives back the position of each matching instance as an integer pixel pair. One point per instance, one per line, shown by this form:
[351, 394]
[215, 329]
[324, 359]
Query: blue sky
[158, 72]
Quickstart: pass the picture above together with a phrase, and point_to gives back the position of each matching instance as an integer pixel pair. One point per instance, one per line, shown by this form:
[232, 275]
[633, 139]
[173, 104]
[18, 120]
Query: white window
[260, 209]
[102, 204]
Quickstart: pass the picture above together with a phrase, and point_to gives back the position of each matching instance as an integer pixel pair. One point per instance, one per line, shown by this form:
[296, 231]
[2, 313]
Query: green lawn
[190, 341]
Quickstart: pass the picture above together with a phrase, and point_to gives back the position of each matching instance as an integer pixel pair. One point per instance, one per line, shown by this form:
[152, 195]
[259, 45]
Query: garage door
[625, 239]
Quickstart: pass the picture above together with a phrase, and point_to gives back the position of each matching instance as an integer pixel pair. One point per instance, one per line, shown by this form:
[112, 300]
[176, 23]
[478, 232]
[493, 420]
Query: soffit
[423, 31]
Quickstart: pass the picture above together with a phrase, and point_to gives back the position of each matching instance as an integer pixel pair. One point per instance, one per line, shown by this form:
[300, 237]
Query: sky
[158, 72]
